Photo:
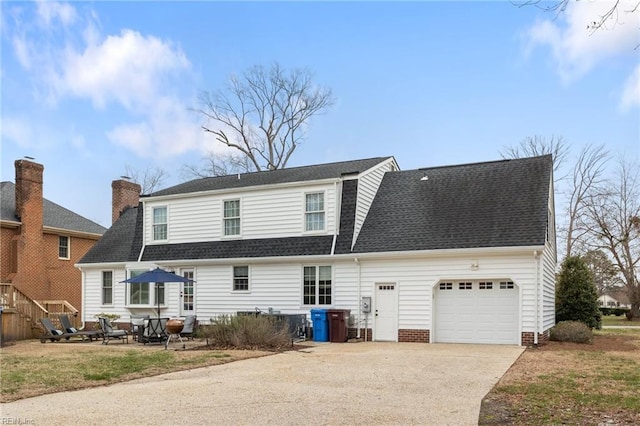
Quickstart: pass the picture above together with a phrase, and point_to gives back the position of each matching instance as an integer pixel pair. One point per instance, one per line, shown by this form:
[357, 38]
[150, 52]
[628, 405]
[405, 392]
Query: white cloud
[631, 92]
[67, 56]
[170, 129]
[576, 48]
[128, 69]
[50, 11]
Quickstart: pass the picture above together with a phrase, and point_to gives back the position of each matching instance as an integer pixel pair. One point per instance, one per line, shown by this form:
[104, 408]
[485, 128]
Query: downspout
[359, 324]
[537, 321]
[84, 294]
[144, 240]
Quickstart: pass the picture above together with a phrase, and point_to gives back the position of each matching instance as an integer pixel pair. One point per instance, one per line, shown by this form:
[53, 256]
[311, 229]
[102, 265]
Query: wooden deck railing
[21, 315]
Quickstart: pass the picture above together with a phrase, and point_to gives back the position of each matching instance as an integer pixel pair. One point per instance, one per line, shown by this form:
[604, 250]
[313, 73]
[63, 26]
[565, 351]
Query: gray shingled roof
[293, 174]
[121, 243]
[262, 247]
[54, 215]
[494, 204]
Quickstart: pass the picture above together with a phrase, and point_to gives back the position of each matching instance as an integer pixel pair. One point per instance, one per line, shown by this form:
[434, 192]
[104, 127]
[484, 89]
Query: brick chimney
[124, 194]
[31, 270]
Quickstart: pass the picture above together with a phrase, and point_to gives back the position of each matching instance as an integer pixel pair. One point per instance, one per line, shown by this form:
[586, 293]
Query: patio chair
[109, 333]
[136, 324]
[190, 324]
[53, 334]
[155, 331]
[68, 328]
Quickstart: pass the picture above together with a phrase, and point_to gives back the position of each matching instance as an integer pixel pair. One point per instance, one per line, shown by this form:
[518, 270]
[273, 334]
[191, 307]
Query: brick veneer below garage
[527, 338]
[421, 336]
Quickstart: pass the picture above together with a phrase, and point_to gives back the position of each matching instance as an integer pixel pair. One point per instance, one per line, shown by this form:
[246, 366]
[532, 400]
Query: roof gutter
[239, 189]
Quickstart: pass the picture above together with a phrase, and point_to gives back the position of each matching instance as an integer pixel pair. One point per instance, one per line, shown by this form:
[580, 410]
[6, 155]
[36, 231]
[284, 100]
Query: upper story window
[232, 217]
[63, 247]
[107, 287]
[159, 223]
[314, 212]
[240, 278]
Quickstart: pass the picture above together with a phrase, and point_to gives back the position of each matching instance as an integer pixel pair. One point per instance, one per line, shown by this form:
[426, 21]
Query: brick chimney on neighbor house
[124, 194]
[31, 274]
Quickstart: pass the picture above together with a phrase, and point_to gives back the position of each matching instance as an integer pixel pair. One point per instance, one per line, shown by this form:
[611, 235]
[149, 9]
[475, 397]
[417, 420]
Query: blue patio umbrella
[158, 276]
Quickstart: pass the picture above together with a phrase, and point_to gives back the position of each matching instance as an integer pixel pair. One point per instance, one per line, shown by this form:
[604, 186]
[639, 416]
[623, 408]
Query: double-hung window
[159, 223]
[138, 292]
[107, 287]
[63, 247]
[231, 217]
[316, 285]
[314, 212]
[240, 278]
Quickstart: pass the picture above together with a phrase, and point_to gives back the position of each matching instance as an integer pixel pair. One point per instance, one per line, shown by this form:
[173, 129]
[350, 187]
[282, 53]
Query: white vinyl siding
[279, 285]
[368, 185]
[265, 213]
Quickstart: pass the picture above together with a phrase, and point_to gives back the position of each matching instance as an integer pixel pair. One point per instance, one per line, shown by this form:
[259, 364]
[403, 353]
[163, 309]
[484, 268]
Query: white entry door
[187, 294]
[386, 312]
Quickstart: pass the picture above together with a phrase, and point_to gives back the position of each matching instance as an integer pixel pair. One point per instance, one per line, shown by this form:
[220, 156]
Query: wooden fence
[21, 315]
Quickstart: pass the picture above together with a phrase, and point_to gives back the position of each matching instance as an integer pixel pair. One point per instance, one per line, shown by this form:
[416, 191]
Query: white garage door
[476, 312]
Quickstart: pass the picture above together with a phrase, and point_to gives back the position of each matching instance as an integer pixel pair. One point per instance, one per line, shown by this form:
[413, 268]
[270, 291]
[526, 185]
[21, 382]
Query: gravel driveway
[350, 383]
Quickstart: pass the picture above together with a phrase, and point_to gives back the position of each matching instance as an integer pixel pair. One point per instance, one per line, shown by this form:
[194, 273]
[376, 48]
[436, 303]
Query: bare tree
[609, 18]
[614, 222]
[264, 114]
[586, 180]
[150, 179]
[532, 146]
[216, 165]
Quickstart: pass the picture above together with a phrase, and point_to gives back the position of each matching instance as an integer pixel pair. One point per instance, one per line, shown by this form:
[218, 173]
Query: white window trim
[304, 212]
[152, 294]
[68, 247]
[318, 305]
[153, 224]
[233, 277]
[222, 225]
[102, 287]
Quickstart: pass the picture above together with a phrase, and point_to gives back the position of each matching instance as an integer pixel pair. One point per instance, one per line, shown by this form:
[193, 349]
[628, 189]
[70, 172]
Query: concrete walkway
[351, 383]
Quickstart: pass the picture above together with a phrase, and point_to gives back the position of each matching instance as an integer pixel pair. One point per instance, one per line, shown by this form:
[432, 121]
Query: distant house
[40, 241]
[615, 299]
[463, 253]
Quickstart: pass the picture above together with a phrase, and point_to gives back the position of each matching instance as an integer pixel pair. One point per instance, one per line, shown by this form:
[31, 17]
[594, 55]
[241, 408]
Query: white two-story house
[460, 253]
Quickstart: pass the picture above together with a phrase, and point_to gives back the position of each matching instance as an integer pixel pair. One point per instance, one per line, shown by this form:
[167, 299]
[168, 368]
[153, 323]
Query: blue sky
[91, 87]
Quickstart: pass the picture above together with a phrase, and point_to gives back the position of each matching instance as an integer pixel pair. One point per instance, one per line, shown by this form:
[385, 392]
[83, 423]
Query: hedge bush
[246, 332]
[572, 331]
[614, 311]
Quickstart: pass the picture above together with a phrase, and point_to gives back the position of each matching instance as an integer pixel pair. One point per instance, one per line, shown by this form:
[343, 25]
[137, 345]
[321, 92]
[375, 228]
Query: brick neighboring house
[41, 241]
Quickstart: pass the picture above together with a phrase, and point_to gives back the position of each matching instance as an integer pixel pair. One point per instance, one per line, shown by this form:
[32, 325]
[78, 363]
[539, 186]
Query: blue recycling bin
[320, 325]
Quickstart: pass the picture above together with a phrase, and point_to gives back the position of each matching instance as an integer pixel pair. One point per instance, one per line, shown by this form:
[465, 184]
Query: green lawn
[621, 320]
